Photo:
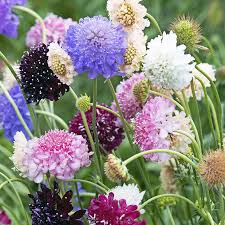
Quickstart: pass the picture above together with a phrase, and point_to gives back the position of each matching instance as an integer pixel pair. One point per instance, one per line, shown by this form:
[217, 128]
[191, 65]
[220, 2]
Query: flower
[115, 170]
[109, 134]
[210, 70]
[166, 65]
[129, 192]
[58, 152]
[108, 210]
[4, 219]
[60, 63]
[212, 168]
[155, 127]
[96, 46]
[49, 208]
[135, 52]
[9, 21]
[84, 103]
[37, 79]
[128, 102]
[129, 13]
[8, 117]
[56, 28]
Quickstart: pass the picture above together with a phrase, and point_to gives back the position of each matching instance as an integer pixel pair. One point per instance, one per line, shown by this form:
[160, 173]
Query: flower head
[128, 101]
[60, 63]
[84, 103]
[109, 134]
[166, 65]
[129, 13]
[9, 20]
[212, 168]
[49, 208]
[8, 118]
[56, 28]
[4, 219]
[112, 211]
[38, 80]
[155, 127]
[96, 46]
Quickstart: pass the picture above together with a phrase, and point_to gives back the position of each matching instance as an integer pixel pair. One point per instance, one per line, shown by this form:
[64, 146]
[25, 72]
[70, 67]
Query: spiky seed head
[141, 91]
[84, 103]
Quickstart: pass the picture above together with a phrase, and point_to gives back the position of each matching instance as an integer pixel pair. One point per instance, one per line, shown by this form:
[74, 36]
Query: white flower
[135, 52]
[210, 70]
[129, 192]
[61, 64]
[129, 13]
[166, 65]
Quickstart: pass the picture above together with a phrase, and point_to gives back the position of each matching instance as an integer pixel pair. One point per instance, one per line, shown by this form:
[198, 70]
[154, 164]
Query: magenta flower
[56, 28]
[107, 210]
[4, 219]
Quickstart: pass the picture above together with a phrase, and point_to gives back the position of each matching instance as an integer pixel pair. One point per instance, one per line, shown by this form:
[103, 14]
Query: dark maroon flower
[107, 210]
[48, 208]
[109, 134]
[38, 80]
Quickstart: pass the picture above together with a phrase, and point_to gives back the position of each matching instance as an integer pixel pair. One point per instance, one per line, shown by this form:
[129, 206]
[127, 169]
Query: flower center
[57, 66]
[126, 15]
[130, 54]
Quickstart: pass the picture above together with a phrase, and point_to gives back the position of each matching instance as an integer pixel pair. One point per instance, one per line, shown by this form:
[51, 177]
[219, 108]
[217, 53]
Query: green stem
[11, 214]
[222, 215]
[170, 152]
[170, 216]
[154, 22]
[36, 16]
[78, 195]
[57, 118]
[10, 99]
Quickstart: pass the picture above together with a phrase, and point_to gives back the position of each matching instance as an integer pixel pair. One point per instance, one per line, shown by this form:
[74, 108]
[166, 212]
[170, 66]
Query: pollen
[126, 15]
[57, 66]
[130, 54]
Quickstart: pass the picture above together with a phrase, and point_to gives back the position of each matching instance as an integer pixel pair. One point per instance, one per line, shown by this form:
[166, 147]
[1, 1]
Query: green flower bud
[84, 103]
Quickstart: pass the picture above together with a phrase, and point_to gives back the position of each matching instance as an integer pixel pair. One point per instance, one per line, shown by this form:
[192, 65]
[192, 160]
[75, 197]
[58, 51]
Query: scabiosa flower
[129, 13]
[109, 134]
[210, 70]
[60, 63]
[10, 122]
[38, 80]
[4, 219]
[56, 28]
[128, 102]
[49, 208]
[9, 21]
[107, 210]
[155, 127]
[166, 65]
[96, 46]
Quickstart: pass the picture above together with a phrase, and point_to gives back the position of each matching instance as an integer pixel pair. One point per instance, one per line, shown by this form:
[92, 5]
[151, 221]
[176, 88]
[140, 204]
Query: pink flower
[127, 100]
[56, 28]
[107, 210]
[4, 219]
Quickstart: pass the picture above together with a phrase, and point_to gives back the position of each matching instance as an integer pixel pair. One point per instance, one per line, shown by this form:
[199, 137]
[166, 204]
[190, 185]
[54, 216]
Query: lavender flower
[96, 46]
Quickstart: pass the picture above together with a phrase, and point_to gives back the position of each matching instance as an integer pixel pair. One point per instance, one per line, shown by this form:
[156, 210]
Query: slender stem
[10, 99]
[57, 118]
[170, 152]
[87, 194]
[186, 103]
[170, 216]
[11, 213]
[35, 15]
[222, 215]
[154, 22]
[78, 195]
[108, 110]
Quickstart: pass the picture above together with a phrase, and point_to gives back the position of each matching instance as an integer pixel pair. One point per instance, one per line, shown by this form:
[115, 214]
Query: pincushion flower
[129, 13]
[49, 208]
[9, 20]
[56, 28]
[166, 65]
[128, 102]
[8, 118]
[155, 127]
[96, 46]
[37, 79]
[4, 219]
[109, 134]
[207, 68]
[60, 63]
[108, 210]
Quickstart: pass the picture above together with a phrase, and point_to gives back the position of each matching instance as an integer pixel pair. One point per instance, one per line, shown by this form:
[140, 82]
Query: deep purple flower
[107, 210]
[48, 208]
[9, 20]
[109, 134]
[96, 46]
[8, 117]
[38, 80]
